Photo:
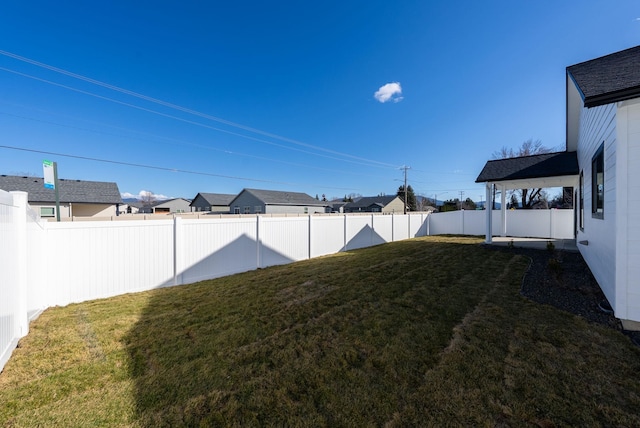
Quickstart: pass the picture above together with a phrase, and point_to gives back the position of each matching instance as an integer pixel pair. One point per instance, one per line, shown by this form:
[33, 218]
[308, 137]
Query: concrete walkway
[537, 243]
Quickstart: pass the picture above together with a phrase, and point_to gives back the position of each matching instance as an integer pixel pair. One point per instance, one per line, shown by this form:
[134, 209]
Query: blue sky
[220, 96]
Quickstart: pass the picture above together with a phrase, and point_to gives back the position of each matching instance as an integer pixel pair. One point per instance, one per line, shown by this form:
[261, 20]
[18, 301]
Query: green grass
[428, 332]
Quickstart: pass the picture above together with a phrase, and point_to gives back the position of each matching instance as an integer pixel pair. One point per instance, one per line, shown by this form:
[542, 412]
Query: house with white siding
[603, 133]
[257, 201]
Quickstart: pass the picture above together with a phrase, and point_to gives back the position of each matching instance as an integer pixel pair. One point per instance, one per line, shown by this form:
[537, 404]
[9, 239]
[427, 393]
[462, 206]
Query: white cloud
[389, 92]
[142, 194]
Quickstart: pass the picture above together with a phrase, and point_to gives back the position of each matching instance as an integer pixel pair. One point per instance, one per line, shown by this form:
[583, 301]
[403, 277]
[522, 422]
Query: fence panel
[400, 227]
[9, 280]
[562, 224]
[474, 222]
[39, 288]
[103, 259]
[383, 226]
[216, 247]
[327, 235]
[447, 223]
[529, 223]
[283, 240]
[417, 224]
[359, 232]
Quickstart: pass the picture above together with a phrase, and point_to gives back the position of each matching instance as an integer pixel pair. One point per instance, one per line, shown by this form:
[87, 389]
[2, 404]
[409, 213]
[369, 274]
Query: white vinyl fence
[554, 224]
[44, 264]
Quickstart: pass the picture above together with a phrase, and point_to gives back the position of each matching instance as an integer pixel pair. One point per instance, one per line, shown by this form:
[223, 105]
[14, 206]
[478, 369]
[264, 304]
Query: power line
[160, 168]
[191, 122]
[176, 107]
[173, 141]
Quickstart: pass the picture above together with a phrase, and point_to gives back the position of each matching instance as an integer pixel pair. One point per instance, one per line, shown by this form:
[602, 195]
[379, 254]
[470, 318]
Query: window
[306, 210]
[258, 209]
[581, 197]
[247, 210]
[597, 183]
[236, 210]
[47, 212]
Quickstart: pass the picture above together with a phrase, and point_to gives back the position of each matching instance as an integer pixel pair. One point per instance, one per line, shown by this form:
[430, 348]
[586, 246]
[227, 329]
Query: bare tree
[529, 198]
[147, 198]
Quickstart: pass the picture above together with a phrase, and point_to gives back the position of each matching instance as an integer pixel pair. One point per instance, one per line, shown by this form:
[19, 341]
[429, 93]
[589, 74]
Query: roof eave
[612, 97]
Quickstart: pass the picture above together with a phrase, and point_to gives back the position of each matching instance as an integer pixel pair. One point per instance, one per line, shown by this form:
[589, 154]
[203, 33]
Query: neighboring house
[129, 208]
[375, 204]
[78, 198]
[255, 201]
[336, 206]
[169, 206]
[603, 153]
[217, 203]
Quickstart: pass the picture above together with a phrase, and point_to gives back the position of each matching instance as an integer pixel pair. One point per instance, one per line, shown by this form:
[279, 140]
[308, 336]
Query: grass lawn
[430, 331]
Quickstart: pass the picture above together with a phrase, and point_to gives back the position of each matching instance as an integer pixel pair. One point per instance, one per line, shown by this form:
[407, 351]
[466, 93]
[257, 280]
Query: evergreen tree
[411, 197]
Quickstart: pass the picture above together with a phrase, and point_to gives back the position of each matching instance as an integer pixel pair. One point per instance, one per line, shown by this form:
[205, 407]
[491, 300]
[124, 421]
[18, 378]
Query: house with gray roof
[215, 203]
[78, 198]
[375, 204]
[167, 206]
[257, 201]
[602, 165]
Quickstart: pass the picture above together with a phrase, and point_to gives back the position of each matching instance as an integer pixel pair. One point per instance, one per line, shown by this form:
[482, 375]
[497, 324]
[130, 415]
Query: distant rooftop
[73, 191]
[277, 197]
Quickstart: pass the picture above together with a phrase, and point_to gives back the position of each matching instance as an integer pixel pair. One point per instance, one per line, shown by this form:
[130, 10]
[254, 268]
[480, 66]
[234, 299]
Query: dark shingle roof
[537, 166]
[608, 79]
[368, 201]
[74, 191]
[216, 199]
[276, 197]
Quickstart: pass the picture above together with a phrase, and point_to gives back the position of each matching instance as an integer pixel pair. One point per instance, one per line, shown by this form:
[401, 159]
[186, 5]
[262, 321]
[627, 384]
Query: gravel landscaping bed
[562, 279]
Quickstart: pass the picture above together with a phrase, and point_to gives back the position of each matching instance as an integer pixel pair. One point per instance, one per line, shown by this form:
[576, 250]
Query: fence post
[344, 233]
[22, 317]
[309, 230]
[177, 250]
[393, 227]
[258, 243]
[373, 231]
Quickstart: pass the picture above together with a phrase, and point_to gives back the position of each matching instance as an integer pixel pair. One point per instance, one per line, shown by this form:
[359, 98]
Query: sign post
[51, 181]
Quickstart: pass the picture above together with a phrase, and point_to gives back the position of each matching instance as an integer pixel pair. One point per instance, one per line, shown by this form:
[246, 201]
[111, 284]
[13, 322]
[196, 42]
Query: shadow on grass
[339, 340]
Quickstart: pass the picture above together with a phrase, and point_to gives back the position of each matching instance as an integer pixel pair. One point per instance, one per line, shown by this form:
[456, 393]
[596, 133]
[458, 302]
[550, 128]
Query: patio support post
[503, 210]
[488, 207]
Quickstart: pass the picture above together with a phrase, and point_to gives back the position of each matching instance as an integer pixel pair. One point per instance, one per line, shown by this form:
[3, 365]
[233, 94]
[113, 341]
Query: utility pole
[405, 168]
[461, 193]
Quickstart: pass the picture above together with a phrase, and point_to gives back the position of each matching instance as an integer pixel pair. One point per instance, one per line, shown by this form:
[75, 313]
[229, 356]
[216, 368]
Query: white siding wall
[627, 303]
[598, 125]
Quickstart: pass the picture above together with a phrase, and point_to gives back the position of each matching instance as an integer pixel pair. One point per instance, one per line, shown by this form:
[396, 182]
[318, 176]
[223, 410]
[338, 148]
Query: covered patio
[546, 170]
